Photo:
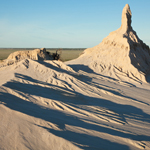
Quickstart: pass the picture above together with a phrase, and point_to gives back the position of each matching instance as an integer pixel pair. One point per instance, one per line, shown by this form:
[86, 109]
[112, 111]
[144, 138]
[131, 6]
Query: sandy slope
[46, 105]
[97, 102]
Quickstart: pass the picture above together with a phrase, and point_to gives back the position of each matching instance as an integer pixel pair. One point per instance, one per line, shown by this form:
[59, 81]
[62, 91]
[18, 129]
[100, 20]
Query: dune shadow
[74, 99]
[56, 67]
[139, 60]
[84, 141]
[81, 67]
[78, 67]
[115, 92]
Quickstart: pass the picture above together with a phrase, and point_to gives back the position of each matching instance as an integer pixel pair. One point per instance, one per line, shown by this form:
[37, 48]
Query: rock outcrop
[37, 54]
[121, 54]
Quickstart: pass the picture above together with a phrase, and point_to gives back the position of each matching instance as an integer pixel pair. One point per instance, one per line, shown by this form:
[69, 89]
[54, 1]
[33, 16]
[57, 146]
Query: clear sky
[67, 23]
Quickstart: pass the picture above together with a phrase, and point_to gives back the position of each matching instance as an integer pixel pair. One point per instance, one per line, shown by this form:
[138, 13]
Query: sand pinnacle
[126, 18]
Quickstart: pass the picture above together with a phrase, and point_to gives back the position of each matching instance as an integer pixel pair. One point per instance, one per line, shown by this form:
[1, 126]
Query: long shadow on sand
[59, 118]
[84, 68]
[77, 68]
[83, 141]
[72, 97]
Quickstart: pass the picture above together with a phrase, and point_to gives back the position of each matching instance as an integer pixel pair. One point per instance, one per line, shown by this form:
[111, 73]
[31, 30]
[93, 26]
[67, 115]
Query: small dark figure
[56, 56]
[48, 53]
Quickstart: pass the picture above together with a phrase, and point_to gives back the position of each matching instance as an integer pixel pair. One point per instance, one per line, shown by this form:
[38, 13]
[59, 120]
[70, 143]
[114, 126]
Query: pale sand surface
[47, 105]
[51, 105]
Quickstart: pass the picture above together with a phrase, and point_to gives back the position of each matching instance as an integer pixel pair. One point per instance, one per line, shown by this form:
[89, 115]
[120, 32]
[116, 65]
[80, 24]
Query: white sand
[46, 105]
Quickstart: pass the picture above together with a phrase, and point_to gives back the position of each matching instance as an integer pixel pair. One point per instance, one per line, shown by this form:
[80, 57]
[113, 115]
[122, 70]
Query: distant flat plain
[66, 53]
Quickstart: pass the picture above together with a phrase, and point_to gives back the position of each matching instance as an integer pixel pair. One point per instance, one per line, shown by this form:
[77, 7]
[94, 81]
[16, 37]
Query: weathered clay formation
[120, 53]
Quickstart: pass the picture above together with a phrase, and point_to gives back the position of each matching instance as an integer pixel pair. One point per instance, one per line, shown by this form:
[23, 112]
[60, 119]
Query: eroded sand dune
[47, 105]
[121, 55]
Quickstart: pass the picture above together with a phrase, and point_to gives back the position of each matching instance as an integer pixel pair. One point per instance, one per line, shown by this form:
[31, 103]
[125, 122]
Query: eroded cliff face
[36, 54]
[120, 53]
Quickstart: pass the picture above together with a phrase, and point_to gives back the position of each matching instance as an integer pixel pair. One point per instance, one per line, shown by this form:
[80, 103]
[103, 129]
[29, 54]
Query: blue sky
[67, 23]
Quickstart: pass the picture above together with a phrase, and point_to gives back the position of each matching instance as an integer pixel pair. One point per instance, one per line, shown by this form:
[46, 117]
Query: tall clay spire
[126, 19]
[122, 51]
